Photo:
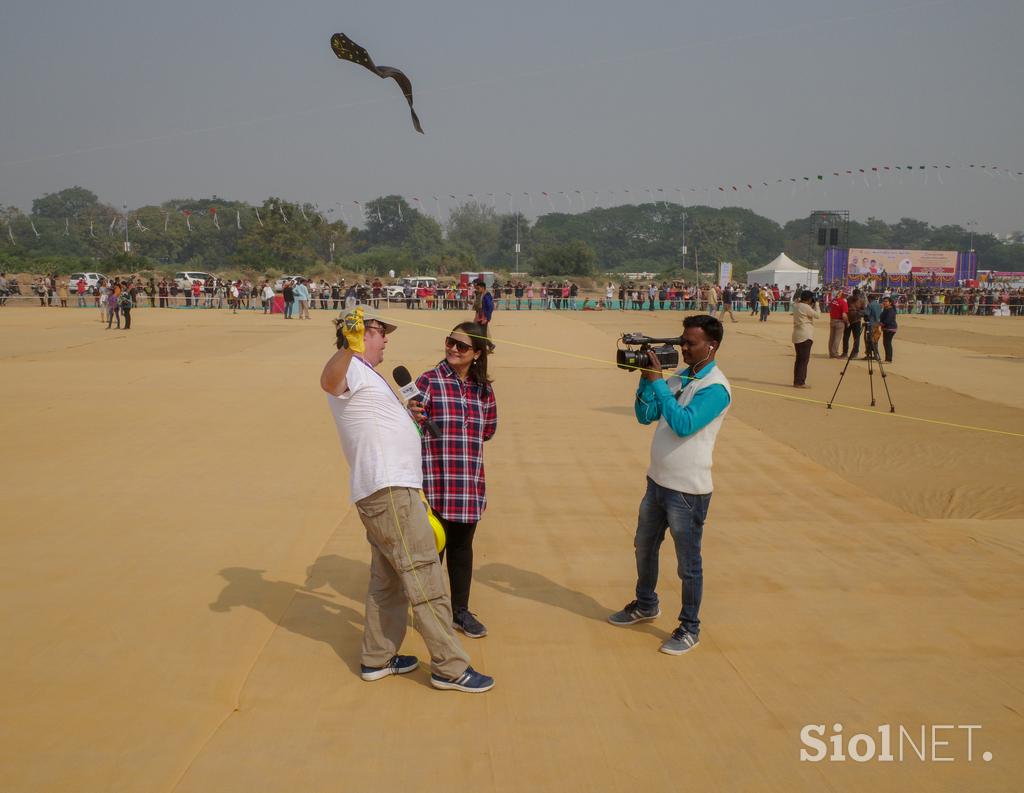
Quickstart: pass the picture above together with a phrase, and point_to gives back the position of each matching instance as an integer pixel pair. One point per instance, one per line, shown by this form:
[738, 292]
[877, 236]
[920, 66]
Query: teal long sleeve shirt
[656, 400]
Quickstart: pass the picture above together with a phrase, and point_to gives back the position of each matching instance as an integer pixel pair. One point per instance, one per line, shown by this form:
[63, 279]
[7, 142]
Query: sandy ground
[183, 574]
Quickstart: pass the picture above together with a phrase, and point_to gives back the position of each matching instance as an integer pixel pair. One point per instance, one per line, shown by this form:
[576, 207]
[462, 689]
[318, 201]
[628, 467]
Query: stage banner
[724, 273]
[927, 264]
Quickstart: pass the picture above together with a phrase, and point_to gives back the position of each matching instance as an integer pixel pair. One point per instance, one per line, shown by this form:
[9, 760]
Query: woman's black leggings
[459, 547]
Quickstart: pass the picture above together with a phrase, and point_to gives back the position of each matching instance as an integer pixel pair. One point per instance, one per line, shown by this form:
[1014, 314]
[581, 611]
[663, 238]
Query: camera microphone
[409, 392]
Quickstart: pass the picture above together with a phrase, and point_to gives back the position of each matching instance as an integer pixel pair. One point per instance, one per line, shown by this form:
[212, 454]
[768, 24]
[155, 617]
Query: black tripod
[871, 348]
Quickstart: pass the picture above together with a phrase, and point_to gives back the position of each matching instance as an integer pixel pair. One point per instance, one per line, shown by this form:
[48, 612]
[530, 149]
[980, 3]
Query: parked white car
[186, 278]
[397, 291]
[92, 281]
[280, 282]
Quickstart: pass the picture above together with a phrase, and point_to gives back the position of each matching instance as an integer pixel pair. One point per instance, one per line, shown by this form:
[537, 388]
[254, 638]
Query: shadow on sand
[302, 609]
[534, 586]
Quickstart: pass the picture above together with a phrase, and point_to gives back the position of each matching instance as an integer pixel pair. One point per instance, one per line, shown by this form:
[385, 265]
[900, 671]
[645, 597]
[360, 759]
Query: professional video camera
[631, 360]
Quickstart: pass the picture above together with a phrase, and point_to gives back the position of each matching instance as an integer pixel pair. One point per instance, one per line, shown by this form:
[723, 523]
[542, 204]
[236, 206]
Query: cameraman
[689, 407]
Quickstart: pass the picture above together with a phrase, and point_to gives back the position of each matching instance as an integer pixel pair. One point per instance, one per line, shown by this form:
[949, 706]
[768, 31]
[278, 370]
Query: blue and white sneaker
[470, 681]
[632, 613]
[398, 665]
[681, 641]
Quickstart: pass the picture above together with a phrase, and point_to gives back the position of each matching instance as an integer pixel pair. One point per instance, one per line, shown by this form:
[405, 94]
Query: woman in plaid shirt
[457, 395]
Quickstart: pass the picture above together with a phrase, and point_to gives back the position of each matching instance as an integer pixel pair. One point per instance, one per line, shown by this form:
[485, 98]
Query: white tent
[784, 272]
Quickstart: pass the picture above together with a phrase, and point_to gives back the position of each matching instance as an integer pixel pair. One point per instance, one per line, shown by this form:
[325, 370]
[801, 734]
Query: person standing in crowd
[689, 408]
[80, 288]
[126, 301]
[197, 288]
[804, 316]
[728, 296]
[838, 320]
[268, 298]
[483, 309]
[382, 447]
[103, 290]
[763, 303]
[854, 313]
[5, 289]
[872, 316]
[457, 396]
[62, 293]
[887, 320]
[114, 307]
[711, 298]
[288, 291]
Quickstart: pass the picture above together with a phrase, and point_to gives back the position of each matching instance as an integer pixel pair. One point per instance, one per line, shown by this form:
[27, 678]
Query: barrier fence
[503, 304]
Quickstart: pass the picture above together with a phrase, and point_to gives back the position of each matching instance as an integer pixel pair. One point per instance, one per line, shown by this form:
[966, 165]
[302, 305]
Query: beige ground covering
[183, 575]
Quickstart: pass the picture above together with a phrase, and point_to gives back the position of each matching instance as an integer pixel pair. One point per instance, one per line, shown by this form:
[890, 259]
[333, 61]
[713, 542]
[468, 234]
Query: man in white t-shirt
[382, 446]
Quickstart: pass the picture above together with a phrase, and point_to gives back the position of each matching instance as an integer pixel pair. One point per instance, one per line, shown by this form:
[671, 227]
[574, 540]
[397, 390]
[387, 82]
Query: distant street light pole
[127, 245]
[517, 242]
[972, 225]
[684, 239]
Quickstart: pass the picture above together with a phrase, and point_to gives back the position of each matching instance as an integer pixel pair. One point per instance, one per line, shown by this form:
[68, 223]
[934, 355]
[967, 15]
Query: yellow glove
[352, 330]
[435, 524]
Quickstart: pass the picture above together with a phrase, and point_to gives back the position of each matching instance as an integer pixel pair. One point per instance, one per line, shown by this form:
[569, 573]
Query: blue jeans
[683, 514]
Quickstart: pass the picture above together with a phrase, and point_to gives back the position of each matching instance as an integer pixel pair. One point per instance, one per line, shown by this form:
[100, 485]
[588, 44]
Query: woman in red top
[458, 397]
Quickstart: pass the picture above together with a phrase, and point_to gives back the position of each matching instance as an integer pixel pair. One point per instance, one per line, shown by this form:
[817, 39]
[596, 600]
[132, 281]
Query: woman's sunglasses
[461, 346]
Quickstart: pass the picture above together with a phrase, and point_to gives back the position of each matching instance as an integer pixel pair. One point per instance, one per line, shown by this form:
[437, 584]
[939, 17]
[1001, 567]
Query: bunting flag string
[872, 177]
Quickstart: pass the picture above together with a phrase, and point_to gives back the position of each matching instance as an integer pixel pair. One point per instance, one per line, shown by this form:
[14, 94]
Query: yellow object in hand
[352, 330]
[435, 523]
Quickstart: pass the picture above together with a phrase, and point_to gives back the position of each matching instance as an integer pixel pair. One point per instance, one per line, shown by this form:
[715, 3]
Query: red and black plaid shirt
[453, 463]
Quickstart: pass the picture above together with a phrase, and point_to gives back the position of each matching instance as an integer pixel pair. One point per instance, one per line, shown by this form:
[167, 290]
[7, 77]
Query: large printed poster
[871, 261]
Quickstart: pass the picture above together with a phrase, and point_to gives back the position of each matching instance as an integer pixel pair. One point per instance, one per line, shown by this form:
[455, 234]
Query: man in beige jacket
[804, 316]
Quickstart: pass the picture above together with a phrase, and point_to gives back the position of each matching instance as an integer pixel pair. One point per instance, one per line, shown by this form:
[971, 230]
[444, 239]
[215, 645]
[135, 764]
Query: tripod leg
[842, 374]
[871, 378]
[885, 383]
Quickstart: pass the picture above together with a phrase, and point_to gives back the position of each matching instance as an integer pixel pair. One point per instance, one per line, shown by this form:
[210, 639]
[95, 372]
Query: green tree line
[72, 229]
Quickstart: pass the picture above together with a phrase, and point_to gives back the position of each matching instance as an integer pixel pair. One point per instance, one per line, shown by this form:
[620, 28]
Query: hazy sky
[142, 102]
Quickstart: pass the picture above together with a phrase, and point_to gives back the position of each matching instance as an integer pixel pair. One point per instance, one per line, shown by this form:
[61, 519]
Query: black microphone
[409, 391]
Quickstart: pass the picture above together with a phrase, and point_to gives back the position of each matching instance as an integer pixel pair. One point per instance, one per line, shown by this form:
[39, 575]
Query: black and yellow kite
[348, 50]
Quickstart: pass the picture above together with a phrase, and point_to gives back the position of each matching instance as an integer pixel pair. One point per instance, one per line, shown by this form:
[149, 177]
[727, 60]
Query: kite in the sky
[348, 50]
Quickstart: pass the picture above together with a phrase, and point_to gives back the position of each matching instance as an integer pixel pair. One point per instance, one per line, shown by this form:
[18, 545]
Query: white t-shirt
[377, 435]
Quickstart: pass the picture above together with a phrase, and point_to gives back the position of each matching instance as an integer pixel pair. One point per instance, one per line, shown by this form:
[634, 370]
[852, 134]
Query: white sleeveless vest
[684, 464]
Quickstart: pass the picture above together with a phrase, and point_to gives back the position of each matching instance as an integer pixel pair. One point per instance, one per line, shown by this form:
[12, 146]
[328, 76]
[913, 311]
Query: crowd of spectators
[303, 294]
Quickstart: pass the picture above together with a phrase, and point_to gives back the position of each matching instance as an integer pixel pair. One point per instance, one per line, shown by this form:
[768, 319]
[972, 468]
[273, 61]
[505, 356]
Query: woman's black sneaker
[465, 621]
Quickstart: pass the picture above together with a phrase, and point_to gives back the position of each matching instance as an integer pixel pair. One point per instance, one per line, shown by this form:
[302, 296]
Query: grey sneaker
[681, 641]
[633, 613]
[398, 665]
[465, 620]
